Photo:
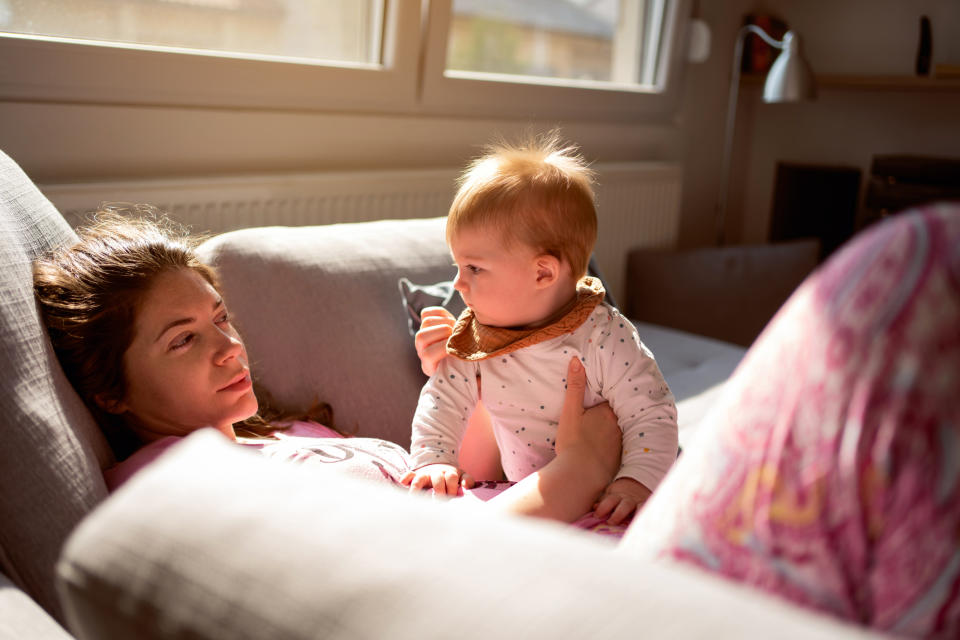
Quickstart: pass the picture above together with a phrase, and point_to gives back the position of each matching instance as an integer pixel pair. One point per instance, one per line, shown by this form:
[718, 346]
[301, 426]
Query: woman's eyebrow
[176, 323]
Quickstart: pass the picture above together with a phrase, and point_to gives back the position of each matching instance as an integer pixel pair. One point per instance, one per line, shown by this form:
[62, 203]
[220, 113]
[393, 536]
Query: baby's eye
[181, 341]
[473, 268]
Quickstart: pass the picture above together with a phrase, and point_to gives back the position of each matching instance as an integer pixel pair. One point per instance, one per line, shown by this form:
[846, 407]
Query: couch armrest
[728, 293]
[212, 541]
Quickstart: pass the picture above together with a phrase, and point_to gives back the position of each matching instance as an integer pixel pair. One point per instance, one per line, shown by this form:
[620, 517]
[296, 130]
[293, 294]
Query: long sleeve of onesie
[625, 374]
[446, 402]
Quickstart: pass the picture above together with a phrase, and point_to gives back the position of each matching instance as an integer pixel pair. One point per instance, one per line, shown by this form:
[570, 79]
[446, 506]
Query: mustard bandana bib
[474, 341]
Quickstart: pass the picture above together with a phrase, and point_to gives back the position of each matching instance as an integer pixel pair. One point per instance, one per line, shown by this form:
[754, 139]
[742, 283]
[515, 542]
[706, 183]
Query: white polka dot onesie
[524, 391]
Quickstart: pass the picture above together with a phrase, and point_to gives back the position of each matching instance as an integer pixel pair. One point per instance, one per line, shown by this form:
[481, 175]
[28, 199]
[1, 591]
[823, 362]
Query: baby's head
[522, 227]
[538, 193]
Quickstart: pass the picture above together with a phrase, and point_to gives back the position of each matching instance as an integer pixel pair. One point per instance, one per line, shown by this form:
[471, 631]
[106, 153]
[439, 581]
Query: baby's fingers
[622, 512]
[608, 502]
[420, 481]
[429, 315]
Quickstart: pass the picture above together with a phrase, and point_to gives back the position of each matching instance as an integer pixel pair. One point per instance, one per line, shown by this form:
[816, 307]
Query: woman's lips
[240, 383]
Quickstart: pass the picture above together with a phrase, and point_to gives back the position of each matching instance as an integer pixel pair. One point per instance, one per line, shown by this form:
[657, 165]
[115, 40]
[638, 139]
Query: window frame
[487, 94]
[38, 68]
[410, 80]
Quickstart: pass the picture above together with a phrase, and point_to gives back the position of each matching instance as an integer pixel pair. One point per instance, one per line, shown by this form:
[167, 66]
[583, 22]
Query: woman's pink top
[122, 471]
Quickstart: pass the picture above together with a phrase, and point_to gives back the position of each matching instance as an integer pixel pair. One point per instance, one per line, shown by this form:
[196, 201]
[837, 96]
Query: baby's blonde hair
[538, 192]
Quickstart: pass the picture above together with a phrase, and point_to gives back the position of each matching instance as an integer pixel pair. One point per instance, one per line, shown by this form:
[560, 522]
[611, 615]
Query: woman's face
[186, 367]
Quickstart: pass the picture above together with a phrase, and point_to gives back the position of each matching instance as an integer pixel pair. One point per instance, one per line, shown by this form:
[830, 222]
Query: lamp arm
[752, 28]
[742, 34]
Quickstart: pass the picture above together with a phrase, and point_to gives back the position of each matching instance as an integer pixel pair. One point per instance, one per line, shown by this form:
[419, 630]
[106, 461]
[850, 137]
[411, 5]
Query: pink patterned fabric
[828, 474]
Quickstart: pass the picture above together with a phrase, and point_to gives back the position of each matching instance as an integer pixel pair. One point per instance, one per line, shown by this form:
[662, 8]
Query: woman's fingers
[600, 429]
[572, 412]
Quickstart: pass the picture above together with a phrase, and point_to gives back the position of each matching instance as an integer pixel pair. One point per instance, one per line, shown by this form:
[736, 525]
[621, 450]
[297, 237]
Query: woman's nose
[229, 348]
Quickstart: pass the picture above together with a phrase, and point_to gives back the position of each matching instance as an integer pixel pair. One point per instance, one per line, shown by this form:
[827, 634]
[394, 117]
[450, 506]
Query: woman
[143, 334]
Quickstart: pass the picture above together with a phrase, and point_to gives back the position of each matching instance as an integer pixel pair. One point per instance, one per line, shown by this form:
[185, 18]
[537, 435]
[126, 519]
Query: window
[595, 40]
[342, 31]
[558, 59]
[554, 59]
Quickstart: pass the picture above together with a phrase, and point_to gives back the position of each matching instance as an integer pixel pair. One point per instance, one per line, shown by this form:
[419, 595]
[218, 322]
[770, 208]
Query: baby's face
[497, 281]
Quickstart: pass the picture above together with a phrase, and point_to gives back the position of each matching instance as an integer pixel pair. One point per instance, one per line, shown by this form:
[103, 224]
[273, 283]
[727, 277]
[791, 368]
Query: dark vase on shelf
[925, 48]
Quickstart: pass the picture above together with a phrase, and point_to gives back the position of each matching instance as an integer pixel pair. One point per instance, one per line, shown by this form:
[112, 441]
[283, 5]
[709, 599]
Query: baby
[521, 230]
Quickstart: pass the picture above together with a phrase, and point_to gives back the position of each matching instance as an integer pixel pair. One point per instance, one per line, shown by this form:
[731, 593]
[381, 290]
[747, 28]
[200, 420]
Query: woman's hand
[588, 456]
[590, 436]
[436, 325]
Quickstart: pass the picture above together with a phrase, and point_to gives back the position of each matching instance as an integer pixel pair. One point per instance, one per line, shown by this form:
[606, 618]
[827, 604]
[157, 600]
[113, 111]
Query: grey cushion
[51, 450]
[417, 297]
[317, 305]
[215, 542]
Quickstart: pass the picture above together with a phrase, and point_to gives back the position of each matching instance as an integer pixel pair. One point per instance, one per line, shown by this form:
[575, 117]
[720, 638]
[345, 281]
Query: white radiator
[639, 203]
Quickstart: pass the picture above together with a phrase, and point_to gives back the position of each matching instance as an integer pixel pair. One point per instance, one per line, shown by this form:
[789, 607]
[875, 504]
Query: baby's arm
[635, 388]
[446, 403]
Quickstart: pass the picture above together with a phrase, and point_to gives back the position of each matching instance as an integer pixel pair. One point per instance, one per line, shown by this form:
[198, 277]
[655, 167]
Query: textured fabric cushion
[318, 310]
[51, 450]
[417, 297]
[215, 542]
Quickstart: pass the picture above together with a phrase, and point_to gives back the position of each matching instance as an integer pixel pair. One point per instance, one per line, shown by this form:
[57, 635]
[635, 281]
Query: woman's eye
[181, 341]
[223, 317]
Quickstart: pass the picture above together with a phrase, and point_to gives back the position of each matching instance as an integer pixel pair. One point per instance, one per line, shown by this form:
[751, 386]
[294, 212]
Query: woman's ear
[109, 403]
[548, 270]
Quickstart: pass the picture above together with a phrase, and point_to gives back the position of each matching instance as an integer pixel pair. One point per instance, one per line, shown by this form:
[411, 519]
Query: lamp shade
[790, 78]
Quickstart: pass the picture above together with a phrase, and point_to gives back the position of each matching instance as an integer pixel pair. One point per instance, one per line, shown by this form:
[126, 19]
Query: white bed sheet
[695, 367]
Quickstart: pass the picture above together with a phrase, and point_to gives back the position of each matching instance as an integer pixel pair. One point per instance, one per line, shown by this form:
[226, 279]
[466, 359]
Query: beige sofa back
[51, 451]
[320, 311]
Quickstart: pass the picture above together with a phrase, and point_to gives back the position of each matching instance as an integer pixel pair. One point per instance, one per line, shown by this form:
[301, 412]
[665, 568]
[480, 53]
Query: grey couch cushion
[51, 450]
[316, 305]
[214, 542]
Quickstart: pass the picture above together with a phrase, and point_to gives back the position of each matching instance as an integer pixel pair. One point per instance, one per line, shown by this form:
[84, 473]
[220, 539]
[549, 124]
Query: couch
[214, 542]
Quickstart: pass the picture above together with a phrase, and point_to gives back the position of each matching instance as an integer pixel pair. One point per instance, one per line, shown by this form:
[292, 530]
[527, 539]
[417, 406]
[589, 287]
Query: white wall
[846, 126]
[61, 141]
[66, 142]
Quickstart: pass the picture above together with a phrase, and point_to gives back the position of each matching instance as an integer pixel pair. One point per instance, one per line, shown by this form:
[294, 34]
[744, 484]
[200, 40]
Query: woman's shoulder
[122, 471]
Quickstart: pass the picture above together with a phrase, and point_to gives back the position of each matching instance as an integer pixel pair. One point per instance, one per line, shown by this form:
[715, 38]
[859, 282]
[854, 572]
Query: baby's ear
[549, 269]
[109, 403]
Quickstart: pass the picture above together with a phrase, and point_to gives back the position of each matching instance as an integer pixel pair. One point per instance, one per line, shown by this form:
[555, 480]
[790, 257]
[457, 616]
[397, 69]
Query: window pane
[346, 31]
[598, 40]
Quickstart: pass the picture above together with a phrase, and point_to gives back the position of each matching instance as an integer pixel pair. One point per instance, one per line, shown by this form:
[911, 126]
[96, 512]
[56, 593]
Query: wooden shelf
[874, 82]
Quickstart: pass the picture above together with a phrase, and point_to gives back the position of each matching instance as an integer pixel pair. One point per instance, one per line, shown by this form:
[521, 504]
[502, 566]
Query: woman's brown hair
[89, 294]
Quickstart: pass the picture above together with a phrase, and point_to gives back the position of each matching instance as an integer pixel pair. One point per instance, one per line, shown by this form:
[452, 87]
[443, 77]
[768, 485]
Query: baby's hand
[620, 499]
[436, 325]
[444, 478]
